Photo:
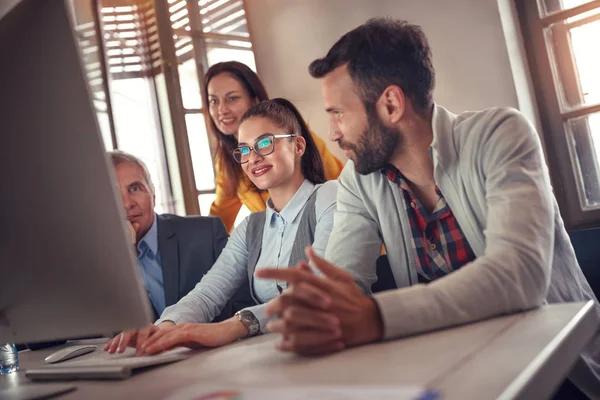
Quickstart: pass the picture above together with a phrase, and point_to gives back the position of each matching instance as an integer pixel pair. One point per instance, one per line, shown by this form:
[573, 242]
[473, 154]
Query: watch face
[249, 321]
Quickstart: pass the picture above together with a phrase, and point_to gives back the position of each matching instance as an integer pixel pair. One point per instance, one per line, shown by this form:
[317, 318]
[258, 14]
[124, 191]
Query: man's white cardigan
[490, 167]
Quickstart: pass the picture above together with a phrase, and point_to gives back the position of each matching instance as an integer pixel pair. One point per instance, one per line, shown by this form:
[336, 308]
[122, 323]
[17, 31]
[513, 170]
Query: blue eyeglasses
[263, 146]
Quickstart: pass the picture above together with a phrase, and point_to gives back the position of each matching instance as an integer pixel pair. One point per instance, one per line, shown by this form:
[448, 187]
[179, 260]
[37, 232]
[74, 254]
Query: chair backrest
[587, 249]
[385, 278]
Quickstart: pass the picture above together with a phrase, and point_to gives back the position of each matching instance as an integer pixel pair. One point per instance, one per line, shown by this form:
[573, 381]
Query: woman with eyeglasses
[278, 154]
[230, 89]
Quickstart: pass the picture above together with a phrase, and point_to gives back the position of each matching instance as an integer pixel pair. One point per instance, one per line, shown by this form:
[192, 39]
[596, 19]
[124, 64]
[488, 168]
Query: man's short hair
[119, 157]
[380, 53]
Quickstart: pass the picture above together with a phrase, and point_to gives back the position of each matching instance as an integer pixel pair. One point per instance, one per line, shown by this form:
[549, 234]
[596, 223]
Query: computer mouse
[70, 352]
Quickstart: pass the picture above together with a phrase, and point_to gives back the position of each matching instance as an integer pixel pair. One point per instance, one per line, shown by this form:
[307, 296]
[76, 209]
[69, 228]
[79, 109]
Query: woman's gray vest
[304, 237]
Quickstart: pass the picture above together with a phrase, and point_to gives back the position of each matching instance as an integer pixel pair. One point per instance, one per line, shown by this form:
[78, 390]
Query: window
[89, 40]
[146, 107]
[117, 39]
[562, 41]
[133, 58]
[205, 32]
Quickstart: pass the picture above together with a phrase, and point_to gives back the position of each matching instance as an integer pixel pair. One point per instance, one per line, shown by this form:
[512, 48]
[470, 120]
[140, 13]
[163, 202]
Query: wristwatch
[250, 321]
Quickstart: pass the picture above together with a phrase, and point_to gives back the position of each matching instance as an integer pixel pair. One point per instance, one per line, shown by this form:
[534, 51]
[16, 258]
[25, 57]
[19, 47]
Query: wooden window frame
[565, 179]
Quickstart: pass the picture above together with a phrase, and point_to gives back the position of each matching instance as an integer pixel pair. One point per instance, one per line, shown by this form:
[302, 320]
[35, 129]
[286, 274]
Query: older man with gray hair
[173, 252]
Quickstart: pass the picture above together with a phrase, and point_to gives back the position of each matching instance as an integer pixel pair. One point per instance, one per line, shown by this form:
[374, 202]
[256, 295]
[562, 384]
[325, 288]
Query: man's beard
[375, 146]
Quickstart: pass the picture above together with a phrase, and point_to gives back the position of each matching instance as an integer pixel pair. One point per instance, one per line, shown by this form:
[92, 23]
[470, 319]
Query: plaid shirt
[439, 244]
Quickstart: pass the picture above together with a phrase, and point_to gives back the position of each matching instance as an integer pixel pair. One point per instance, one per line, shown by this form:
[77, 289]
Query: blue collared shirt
[150, 267]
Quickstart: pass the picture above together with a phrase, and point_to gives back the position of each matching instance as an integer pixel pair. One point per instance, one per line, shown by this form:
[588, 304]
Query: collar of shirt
[150, 240]
[440, 211]
[292, 209]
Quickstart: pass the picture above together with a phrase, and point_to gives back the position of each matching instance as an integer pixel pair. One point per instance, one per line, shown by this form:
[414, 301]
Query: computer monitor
[67, 267]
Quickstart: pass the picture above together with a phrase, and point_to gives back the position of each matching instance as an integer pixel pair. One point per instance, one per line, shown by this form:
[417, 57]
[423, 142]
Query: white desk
[522, 356]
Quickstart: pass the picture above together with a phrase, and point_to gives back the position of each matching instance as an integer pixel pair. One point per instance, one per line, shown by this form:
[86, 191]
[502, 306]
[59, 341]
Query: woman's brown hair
[226, 143]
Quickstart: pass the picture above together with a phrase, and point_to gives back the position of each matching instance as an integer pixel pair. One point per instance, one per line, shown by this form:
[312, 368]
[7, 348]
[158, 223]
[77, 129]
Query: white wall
[469, 49]
[518, 61]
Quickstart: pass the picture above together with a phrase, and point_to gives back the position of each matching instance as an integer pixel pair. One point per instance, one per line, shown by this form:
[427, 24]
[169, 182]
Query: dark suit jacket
[188, 247]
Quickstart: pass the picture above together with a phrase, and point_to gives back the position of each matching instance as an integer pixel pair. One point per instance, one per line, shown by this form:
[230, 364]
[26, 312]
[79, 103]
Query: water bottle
[9, 358]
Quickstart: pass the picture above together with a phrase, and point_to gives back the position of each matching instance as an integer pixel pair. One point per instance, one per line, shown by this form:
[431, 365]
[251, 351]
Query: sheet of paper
[205, 392]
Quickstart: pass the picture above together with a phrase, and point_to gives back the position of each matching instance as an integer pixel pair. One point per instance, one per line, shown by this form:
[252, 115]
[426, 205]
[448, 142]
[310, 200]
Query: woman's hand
[135, 338]
[195, 336]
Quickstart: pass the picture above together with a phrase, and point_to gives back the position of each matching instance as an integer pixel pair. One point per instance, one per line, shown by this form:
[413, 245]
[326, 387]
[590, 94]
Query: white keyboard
[105, 366]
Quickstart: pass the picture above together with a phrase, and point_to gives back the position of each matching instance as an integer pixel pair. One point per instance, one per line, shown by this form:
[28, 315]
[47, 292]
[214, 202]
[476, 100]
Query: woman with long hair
[278, 154]
[231, 88]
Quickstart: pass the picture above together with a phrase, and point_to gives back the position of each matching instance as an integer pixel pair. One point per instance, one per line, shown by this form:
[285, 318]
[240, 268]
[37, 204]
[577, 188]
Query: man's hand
[133, 231]
[135, 338]
[195, 336]
[319, 315]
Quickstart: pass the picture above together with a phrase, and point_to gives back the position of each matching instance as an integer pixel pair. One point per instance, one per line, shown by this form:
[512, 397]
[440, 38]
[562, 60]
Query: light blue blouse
[230, 270]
